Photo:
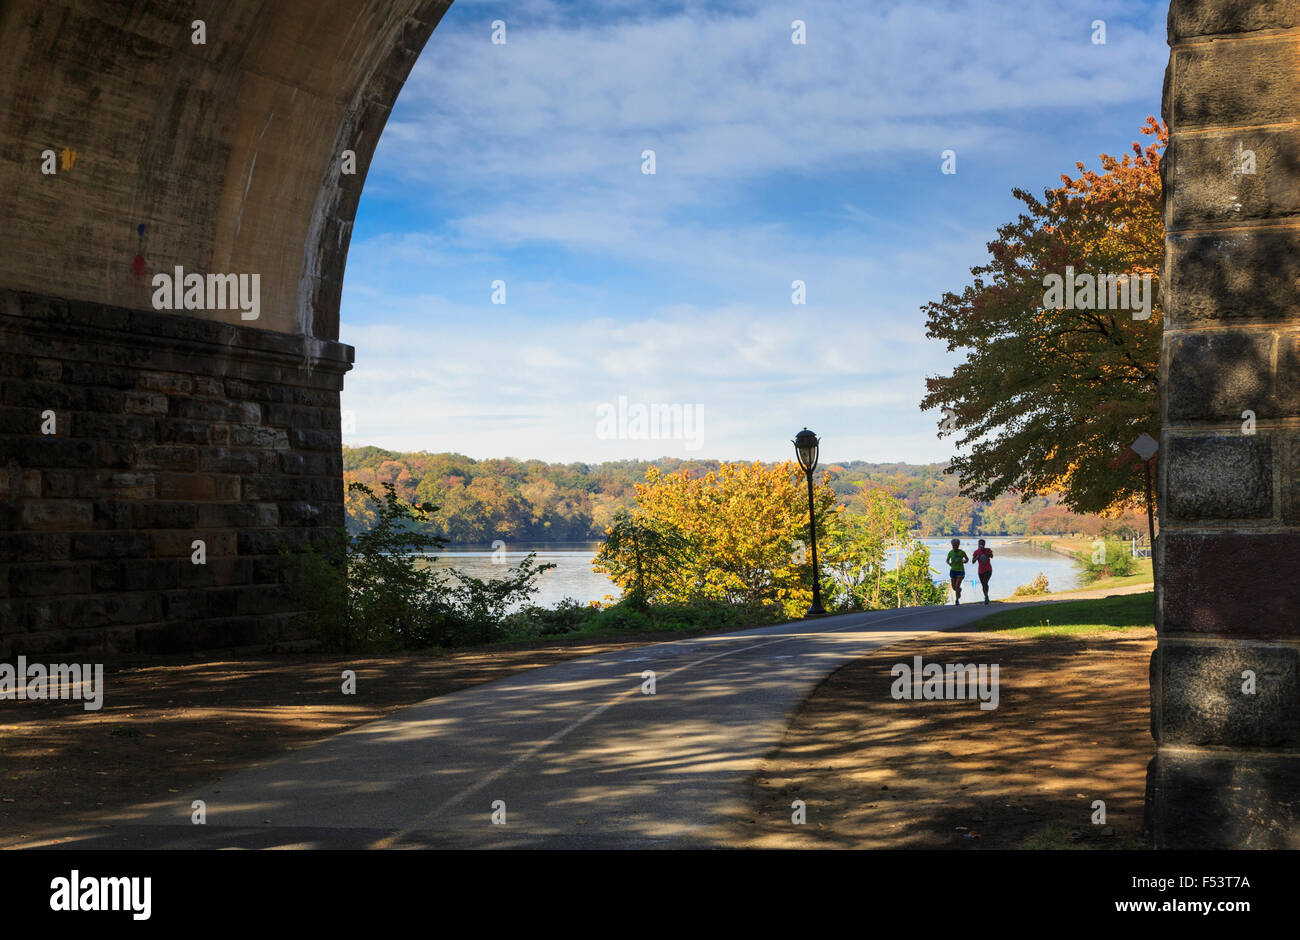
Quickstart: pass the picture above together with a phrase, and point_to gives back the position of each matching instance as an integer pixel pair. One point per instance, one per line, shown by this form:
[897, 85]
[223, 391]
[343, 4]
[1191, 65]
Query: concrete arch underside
[128, 150]
[230, 156]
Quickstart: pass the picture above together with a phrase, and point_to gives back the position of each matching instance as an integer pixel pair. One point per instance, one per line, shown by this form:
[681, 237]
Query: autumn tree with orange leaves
[1048, 397]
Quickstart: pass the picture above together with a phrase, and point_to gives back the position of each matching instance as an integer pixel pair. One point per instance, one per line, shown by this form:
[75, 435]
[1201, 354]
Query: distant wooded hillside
[528, 500]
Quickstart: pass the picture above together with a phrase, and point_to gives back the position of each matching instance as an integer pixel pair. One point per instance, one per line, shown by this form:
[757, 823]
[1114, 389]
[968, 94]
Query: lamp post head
[806, 444]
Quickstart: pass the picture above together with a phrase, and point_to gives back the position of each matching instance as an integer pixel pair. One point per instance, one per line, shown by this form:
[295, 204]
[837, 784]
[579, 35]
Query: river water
[1014, 564]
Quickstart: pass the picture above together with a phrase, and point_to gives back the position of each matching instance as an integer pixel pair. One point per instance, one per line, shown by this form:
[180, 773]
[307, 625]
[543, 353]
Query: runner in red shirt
[984, 558]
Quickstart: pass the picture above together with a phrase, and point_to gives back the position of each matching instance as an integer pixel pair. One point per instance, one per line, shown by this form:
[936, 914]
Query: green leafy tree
[378, 589]
[912, 583]
[645, 557]
[481, 605]
[370, 590]
[857, 547]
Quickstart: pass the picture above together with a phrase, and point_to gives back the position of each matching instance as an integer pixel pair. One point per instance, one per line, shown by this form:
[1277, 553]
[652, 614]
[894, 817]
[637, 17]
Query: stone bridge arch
[226, 157]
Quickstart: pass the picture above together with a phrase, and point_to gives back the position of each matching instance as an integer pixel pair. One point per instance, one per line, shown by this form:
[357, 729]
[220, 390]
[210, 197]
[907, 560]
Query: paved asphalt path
[580, 755]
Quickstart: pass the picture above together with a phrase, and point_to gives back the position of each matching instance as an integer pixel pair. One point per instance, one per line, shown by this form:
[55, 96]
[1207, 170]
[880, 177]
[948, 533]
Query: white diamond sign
[1146, 446]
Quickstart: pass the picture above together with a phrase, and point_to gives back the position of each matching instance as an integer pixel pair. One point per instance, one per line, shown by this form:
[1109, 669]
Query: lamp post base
[814, 611]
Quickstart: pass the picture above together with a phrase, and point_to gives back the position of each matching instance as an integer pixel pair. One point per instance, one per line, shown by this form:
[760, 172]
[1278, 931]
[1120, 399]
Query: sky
[515, 171]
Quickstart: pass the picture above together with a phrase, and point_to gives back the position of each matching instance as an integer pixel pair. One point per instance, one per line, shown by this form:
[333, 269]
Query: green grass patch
[1070, 618]
[1127, 581]
[1141, 575]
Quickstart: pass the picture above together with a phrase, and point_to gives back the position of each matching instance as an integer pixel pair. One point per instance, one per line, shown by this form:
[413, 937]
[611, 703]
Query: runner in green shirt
[957, 566]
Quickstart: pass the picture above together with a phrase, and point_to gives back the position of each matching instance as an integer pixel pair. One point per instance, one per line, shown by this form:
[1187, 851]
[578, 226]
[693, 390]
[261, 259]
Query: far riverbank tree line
[481, 501]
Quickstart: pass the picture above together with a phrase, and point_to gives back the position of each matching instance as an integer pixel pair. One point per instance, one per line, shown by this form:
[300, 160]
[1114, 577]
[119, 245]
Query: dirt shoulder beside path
[1072, 726]
[173, 722]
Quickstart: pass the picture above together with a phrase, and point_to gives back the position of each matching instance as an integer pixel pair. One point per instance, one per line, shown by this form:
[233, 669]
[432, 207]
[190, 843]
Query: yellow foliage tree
[747, 526]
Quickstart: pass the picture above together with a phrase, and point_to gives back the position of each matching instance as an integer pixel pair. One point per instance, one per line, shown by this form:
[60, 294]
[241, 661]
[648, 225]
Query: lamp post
[806, 444]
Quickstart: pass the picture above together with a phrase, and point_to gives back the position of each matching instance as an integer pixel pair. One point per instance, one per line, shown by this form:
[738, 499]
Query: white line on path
[388, 841]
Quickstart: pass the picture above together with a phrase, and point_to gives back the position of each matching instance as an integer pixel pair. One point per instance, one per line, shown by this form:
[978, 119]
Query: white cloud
[728, 96]
[498, 384]
[537, 145]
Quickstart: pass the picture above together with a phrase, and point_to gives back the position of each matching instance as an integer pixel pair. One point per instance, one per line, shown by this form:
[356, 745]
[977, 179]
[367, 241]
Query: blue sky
[522, 162]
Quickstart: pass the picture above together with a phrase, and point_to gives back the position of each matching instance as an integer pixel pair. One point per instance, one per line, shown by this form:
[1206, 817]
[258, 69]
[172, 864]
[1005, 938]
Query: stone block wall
[165, 430]
[1227, 768]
